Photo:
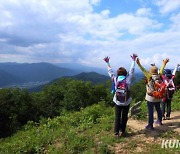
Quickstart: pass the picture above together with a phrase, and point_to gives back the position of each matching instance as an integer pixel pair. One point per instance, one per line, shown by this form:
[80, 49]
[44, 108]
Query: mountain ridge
[32, 72]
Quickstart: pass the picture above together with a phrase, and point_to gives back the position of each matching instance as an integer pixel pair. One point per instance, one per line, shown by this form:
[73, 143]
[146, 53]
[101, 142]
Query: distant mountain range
[25, 75]
[82, 68]
[93, 77]
[8, 79]
[14, 73]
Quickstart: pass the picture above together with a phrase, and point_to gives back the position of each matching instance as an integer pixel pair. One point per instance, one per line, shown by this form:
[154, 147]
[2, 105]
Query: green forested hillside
[18, 106]
[89, 130]
[69, 133]
[93, 77]
[68, 116]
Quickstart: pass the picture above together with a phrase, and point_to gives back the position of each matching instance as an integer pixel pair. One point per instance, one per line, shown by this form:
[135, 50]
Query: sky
[85, 31]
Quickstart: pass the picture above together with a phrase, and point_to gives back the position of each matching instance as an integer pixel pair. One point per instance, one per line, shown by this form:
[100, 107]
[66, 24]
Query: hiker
[121, 97]
[168, 78]
[153, 96]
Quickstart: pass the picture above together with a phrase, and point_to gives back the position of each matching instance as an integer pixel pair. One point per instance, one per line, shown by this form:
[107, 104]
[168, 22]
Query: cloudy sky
[85, 31]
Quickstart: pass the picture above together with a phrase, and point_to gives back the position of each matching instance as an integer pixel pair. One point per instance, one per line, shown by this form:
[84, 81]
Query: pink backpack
[122, 91]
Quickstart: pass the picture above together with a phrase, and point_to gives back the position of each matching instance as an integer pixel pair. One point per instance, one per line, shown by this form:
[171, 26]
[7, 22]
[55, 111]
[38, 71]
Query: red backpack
[158, 87]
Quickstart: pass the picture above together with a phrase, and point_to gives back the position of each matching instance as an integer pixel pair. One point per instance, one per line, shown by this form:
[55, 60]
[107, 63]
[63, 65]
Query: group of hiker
[159, 92]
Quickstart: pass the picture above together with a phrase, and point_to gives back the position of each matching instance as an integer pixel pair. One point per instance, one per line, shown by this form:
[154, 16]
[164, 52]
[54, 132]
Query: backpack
[170, 88]
[122, 91]
[158, 87]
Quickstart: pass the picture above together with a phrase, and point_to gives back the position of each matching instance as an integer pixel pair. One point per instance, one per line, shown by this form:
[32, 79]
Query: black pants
[165, 104]
[121, 117]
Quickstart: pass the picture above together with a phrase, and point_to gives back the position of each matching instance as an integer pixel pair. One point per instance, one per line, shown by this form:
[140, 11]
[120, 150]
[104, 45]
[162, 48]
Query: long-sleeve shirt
[128, 81]
[170, 81]
[174, 71]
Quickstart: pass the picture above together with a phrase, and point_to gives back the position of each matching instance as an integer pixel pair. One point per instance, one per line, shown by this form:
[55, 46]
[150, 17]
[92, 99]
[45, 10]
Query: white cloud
[105, 13]
[15, 58]
[155, 58]
[176, 22]
[70, 30]
[5, 19]
[144, 12]
[167, 6]
[100, 26]
[95, 2]
[3, 40]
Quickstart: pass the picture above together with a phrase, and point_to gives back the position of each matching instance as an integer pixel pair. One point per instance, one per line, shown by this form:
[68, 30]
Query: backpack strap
[168, 82]
[151, 81]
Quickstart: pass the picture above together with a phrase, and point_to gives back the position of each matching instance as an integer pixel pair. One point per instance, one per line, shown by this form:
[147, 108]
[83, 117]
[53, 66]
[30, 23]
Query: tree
[77, 94]
[138, 90]
[177, 79]
[15, 110]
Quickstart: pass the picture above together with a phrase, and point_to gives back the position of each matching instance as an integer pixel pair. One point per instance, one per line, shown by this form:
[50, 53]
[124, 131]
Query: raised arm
[110, 71]
[175, 69]
[147, 74]
[132, 68]
[165, 61]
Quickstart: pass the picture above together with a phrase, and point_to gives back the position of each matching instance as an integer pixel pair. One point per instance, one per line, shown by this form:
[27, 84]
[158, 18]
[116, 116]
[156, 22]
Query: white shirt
[128, 81]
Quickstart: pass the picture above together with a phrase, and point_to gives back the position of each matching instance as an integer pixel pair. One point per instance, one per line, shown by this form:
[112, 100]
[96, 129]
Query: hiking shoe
[116, 135]
[125, 134]
[149, 127]
[168, 118]
[158, 122]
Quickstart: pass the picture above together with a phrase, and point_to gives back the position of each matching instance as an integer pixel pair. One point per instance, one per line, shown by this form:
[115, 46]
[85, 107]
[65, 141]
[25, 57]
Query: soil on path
[141, 140]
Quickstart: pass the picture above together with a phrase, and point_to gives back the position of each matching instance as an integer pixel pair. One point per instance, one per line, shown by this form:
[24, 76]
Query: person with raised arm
[122, 81]
[155, 90]
[168, 78]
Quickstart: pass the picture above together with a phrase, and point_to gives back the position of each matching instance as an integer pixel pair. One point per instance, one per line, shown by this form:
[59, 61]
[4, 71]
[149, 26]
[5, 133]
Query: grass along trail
[141, 140]
[172, 124]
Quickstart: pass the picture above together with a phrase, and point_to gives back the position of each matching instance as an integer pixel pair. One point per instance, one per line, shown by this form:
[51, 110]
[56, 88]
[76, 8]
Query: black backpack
[170, 89]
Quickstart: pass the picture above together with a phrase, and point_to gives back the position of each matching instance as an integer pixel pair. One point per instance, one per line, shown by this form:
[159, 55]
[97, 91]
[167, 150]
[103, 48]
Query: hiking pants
[121, 117]
[165, 104]
[150, 106]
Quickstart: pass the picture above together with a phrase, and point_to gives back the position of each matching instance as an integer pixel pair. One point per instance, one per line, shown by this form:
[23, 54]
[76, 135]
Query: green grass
[87, 131]
[157, 149]
[71, 133]
[176, 101]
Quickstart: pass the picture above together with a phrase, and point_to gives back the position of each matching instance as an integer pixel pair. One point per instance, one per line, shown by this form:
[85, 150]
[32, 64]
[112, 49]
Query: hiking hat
[153, 70]
[167, 72]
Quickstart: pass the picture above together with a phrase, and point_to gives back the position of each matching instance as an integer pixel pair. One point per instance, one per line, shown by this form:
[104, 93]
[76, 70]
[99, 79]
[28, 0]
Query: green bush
[176, 101]
[70, 129]
[18, 106]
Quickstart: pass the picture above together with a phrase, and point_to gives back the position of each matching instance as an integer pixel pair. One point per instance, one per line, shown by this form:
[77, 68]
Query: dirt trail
[172, 124]
[140, 139]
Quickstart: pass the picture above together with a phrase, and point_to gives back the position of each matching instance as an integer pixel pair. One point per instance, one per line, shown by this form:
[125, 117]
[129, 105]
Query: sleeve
[147, 74]
[174, 71]
[110, 72]
[131, 73]
[162, 69]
